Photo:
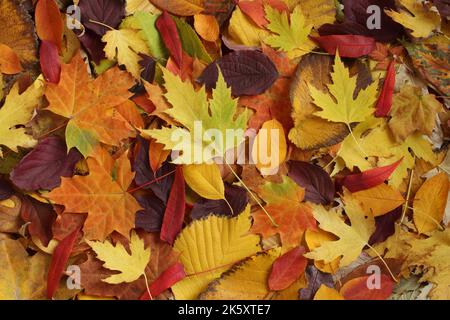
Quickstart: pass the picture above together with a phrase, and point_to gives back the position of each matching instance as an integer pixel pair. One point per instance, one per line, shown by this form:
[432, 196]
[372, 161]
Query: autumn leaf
[205, 179]
[291, 37]
[104, 192]
[341, 106]
[229, 241]
[9, 61]
[284, 204]
[352, 238]
[130, 265]
[413, 112]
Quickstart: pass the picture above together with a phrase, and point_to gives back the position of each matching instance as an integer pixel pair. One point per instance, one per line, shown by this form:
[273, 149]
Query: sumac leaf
[169, 34]
[50, 61]
[384, 103]
[246, 72]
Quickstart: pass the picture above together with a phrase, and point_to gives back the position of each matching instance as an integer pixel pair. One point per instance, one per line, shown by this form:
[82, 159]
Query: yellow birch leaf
[430, 202]
[379, 200]
[205, 179]
[131, 265]
[228, 243]
[269, 148]
[416, 17]
[247, 280]
[327, 293]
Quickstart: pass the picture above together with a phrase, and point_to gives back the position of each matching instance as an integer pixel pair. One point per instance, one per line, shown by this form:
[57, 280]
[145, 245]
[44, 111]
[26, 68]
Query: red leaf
[384, 103]
[349, 46]
[168, 278]
[59, 260]
[370, 178]
[50, 61]
[287, 268]
[168, 30]
[49, 25]
[359, 289]
[174, 214]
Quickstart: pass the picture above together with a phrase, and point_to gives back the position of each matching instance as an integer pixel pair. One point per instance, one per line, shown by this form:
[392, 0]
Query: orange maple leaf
[284, 204]
[102, 194]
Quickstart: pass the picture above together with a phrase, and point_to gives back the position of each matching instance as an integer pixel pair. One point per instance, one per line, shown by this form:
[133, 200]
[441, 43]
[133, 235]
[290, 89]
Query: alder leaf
[130, 265]
[229, 243]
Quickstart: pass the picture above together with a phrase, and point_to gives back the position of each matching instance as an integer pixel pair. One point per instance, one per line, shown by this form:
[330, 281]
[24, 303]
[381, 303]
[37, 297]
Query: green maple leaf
[194, 111]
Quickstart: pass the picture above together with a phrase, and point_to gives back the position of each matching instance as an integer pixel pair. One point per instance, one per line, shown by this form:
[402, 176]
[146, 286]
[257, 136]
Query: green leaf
[190, 42]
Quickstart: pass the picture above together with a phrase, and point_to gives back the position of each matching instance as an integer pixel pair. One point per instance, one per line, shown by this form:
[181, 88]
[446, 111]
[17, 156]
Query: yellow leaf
[245, 281]
[205, 179]
[22, 277]
[318, 12]
[207, 27]
[315, 239]
[340, 105]
[326, 293]
[430, 202]
[243, 31]
[131, 265]
[228, 242]
[180, 7]
[416, 17]
[291, 35]
[125, 46]
[134, 6]
[18, 110]
[352, 238]
[379, 200]
[413, 112]
[269, 145]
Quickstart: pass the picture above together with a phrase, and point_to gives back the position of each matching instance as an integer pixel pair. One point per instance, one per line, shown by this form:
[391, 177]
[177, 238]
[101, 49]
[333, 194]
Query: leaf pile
[98, 201]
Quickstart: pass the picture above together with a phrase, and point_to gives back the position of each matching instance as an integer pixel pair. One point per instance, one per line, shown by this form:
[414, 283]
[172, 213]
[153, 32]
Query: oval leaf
[287, 268]
[205, 179]
[349, 46]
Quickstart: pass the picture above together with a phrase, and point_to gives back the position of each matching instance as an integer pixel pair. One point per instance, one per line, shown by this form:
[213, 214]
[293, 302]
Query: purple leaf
[5, 190]
[443, 7]
[40, 216]
[146, 177]
[385, 226]
[317, 183]
[236, 196]
[93, 45]
[44, 166]
[246, 72]
[107, 12]
[148, 65]
[356, 18]
[315, 278]
[151, 217]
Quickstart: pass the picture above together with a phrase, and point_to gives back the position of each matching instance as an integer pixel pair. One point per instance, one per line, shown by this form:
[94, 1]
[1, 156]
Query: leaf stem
[251, 194]
[384, 262]
[408, 194]
[356, 141]
[146, 285]
[229, 206]
[151, 182]
[101, 24]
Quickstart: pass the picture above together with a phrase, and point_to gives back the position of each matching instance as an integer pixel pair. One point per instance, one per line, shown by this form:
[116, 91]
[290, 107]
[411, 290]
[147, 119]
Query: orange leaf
[102, 194]
[49, 25]
[207, 27]
[362, 288]
[157, 155]
[9, 61]
[287, 268]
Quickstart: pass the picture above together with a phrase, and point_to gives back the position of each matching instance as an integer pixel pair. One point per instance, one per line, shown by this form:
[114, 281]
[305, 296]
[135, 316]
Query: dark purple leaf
[356, 18]
[151, 217]
[5, 190]
[247, 72]
[40, 217]
[44, 166]
[108, 12]
[148, 65]
[146, 176]
[385, 226]
[317, 183]
[315, 278]
[236, 196]
[93, 45]
[443, 7]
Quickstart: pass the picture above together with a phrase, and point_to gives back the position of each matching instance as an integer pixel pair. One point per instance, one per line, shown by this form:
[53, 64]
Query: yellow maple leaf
[125, 46]
[352, 238]
[228, 242]
[421, 20]
[18, 110]
[131, 265]
[413, 112]
[340, 106]
[291, 37]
